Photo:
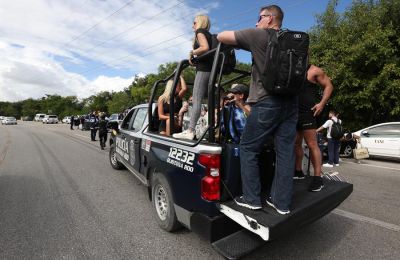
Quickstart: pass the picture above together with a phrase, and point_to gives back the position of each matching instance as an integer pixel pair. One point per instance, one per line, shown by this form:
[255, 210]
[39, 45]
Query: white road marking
[376, 166]
[361, 218]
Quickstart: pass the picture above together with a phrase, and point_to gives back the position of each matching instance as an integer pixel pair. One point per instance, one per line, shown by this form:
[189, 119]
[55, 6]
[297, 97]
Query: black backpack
[285, 68]
[337, 130]
[229, 53]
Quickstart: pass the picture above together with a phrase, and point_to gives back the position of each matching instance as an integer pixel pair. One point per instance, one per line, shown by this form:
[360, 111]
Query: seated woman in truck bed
[164, 105]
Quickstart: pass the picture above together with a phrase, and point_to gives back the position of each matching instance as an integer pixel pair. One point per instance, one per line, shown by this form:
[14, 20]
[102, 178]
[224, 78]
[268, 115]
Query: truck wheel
[348, 150]
[113, 159]
[163, 204]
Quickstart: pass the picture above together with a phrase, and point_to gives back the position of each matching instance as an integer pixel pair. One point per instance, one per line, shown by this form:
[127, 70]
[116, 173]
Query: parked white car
[66, 120]
[382, 140]
[39, 117]
[9, 121]
[50, 119]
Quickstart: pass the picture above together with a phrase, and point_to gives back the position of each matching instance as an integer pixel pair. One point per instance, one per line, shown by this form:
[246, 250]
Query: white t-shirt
[328, 124]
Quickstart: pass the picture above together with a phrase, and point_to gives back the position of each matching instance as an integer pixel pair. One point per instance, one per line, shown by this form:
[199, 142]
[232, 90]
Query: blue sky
[82, 47]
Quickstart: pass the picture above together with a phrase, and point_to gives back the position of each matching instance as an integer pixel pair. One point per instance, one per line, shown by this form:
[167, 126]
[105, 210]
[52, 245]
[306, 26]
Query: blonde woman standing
[164, 105]
[201, 44]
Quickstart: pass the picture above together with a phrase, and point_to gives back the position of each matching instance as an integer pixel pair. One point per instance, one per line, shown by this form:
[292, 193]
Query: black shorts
[306, 121]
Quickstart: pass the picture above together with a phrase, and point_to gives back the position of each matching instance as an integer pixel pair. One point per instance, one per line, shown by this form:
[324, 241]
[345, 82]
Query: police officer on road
[72, 122]
[94, 121]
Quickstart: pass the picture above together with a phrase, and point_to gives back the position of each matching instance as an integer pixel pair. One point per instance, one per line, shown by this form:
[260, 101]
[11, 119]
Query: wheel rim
[161, 202]
[347, 150]
[113, 157]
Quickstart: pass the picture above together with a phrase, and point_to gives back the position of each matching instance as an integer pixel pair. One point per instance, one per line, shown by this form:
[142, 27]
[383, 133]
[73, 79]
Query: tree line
[359, 49]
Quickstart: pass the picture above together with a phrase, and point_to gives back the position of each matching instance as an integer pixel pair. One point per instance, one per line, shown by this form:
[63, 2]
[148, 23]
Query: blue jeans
[272, 117]
[333, 151]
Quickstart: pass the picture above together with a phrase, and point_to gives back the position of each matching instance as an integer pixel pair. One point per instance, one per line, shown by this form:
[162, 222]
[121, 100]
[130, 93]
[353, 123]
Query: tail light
[210, 184]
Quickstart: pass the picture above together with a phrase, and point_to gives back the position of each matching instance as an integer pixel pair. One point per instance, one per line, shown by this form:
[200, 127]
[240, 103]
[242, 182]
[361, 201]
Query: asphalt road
[60, 199]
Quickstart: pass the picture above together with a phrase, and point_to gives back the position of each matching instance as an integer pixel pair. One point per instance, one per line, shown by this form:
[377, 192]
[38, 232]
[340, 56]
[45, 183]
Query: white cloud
[40, 39]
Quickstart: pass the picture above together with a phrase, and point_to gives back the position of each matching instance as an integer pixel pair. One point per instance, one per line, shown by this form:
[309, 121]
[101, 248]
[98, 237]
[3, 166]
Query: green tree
[30, 107]
[120, 101]
[360, 51]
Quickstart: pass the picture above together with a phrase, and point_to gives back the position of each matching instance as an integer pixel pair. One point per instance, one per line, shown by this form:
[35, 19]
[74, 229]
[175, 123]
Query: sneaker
[327, 165]
[298, 175]
[280, 211]
[241, 202]
[317, 184]
[184, 135]
[336, 164]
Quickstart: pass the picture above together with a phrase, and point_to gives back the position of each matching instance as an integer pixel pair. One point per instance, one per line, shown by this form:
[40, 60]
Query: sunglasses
[263, 16]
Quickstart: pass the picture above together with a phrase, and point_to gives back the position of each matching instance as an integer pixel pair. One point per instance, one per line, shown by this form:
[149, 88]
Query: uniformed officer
[94, 122]
[102, 130]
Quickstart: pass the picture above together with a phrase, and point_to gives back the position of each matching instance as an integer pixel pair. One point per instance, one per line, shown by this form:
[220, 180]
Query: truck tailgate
[306, 208]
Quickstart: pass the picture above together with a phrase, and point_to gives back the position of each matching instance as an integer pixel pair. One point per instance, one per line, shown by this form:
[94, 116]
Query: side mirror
[365, 133]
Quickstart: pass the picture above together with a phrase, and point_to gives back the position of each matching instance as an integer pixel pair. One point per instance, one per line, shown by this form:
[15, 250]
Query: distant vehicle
[66, 120]
[50, 119]
[9, 121]
[347, 146]
[1, 118]
[39, 117]
[382, 140]
[113, 121]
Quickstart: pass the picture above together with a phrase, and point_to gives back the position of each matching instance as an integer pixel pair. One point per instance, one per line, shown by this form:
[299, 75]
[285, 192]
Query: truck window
[139, 119]
[125, 124]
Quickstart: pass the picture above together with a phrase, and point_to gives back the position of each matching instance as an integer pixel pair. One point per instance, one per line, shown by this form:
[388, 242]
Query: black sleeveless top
[177, 106]
[308, 97]
[206, 63]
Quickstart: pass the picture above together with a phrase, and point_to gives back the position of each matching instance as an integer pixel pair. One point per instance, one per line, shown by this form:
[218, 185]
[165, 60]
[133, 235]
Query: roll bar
[214, 85]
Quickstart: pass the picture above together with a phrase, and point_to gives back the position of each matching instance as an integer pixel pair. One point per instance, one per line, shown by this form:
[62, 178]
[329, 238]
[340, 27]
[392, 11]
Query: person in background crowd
[270, 116]
[333, 144]
[234, 112]
[72, 122]
[102, 130]
[164, 105]
[202, 44]
[81, 122]
[93, 119]
[182, 111]
[309, 108]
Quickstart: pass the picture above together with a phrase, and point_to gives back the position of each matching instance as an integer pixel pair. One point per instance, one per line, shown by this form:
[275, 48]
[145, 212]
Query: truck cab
[193, 183]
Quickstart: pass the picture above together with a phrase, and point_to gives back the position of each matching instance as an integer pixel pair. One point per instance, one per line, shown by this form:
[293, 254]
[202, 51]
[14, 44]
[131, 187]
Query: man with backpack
[271, 115]
[334, 134]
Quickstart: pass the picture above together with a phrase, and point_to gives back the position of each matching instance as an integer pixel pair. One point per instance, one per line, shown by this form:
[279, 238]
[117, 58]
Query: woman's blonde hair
[165, 97]
[202, 22]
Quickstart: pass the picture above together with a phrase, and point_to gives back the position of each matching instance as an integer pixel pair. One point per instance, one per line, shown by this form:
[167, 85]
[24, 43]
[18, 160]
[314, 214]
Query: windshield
[52, 116]
[113, 117]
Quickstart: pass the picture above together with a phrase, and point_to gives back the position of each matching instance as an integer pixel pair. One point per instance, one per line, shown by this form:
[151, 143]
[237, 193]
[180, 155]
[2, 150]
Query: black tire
[348, 150]
[163, 203]
[113, 159]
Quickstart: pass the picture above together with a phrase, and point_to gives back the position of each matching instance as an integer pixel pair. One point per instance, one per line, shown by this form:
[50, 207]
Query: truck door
[134, 138]
[122, 139]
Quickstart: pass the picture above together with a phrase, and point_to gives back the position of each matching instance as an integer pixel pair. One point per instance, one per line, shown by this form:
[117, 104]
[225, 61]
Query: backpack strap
[225, 118]
[232, 114]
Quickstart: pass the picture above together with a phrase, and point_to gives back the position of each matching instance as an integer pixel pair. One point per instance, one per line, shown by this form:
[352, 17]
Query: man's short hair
[275, 11]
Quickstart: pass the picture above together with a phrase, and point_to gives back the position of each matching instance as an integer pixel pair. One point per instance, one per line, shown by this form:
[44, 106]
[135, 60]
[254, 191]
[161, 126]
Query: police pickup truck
[193, 183]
